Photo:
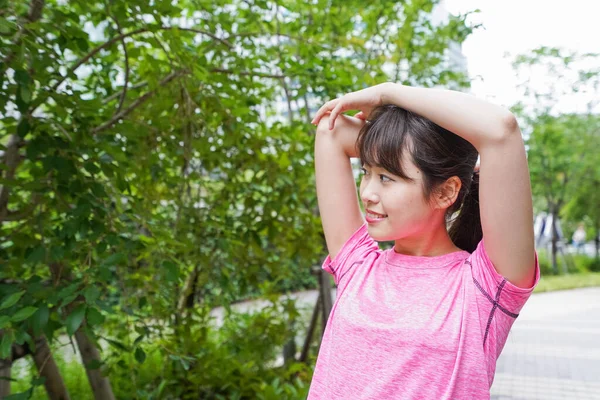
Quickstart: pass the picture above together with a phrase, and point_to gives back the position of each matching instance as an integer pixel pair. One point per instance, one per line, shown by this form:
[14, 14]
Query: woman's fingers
[334, 114]
[360, 115]
[325, 108]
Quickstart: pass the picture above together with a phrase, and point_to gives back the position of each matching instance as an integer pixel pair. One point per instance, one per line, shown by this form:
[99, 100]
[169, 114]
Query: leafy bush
[545, 263]
[235, 361]
[585, 263]
[581, 263]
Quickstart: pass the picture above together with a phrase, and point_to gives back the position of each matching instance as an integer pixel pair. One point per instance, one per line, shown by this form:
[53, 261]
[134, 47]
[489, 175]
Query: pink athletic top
[410, 327]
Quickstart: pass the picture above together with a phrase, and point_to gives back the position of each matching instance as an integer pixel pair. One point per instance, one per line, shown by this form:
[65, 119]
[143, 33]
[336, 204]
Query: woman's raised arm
[336, 188]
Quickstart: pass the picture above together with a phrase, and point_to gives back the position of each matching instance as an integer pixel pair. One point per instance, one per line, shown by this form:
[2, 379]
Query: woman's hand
[364, 100]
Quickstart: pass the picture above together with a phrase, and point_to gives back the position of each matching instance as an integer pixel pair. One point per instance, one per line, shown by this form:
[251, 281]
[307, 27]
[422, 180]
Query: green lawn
[550, 283]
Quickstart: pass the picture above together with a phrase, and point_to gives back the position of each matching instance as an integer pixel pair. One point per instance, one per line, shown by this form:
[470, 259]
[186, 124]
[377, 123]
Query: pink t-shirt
[409, 327]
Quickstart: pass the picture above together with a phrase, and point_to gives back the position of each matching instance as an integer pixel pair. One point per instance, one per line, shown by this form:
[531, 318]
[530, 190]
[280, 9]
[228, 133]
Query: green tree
[555, 162]
[562, 147]
[583, 202]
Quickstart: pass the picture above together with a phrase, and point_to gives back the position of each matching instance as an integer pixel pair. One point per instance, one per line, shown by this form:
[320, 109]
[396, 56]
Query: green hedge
[196, 361]
[581, 263]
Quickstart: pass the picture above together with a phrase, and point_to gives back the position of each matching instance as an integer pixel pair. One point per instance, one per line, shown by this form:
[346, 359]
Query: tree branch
[11, 160]
[136, 103]
[35, 10]
[35, 13]
[283, 83]
[128, 34]
[25, 212]
[298, 39]
[117, 94]
[124, 93]
[228, 71]
[11, 156]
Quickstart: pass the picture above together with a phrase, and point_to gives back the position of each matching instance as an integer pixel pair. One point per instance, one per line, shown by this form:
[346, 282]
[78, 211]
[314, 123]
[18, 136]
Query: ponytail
[465, 230]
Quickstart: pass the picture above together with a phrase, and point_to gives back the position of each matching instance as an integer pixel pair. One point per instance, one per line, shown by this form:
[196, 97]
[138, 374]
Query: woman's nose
[369, 196]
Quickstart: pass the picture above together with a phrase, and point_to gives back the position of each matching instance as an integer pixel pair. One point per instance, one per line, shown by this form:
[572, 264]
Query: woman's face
[407, 212]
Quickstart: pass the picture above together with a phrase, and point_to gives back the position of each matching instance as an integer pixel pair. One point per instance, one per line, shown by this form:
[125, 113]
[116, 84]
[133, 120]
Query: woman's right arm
[336, 188]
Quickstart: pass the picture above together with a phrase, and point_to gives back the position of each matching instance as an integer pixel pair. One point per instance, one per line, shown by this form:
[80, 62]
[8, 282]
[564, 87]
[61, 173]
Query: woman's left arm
[505, 200]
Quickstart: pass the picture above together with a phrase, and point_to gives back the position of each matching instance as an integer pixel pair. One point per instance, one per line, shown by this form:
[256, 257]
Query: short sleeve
[353, 253]
[499, 303]
[512, 298]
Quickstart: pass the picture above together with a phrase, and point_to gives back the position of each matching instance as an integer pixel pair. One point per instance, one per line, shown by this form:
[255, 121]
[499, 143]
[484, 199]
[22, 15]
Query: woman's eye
[383, 177]
[363, 171]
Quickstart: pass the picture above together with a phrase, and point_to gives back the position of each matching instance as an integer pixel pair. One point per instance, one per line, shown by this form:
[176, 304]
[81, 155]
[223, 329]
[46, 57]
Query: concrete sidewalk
[553, 349]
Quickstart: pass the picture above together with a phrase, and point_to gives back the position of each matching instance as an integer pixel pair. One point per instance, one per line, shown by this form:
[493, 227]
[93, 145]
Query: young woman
[428, 318]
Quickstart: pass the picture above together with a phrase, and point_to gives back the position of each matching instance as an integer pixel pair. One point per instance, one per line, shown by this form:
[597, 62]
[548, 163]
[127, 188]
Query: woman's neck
[433, 243]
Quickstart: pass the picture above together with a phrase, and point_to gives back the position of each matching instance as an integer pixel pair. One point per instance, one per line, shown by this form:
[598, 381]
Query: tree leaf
[140, 355]
[5, 26]
[171, 271]
[20, 396]
[23, 314]
[94, 317]
[40, 319]
[37, 254]
[38, 381]
[117, 344]
[185, 363]
[6, 345]
[22, 336]
[114, 259]
[75, 318]
[22, 77]
[91, 294]
[25, 94]
[142, 302]
[11, 299]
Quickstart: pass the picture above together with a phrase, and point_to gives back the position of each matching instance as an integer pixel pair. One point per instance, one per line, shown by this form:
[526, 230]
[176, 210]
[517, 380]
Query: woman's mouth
[372, 217]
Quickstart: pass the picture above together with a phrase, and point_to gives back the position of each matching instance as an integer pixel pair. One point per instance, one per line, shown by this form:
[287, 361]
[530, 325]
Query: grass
[551, 283]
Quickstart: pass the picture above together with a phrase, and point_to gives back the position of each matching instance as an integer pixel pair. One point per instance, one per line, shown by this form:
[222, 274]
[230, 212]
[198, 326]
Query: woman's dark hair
[438, 153]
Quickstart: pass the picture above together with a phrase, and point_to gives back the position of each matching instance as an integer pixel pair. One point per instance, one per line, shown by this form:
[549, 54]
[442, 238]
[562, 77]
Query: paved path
[553, 349]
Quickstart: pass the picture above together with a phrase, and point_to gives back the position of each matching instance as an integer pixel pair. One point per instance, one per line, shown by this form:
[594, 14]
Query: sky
[518, 26]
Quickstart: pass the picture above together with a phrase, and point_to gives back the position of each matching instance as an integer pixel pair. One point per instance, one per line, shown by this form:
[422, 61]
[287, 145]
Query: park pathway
[553, 349]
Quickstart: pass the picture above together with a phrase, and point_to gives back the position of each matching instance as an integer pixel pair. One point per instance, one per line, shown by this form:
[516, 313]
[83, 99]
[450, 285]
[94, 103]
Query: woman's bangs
[382, 144]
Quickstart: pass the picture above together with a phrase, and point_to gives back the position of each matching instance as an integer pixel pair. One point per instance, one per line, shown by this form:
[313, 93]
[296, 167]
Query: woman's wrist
[389, 92]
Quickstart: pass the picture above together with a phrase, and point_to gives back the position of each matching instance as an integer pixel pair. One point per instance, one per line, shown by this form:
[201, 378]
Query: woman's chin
[378, 232]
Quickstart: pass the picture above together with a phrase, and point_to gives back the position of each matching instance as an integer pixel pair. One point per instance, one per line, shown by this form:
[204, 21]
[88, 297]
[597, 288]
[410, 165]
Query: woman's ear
[448, 192]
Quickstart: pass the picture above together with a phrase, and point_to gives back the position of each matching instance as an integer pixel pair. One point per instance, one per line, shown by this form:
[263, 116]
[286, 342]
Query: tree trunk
[289, 349]
[597, 240]
[325, 288]
[5, 369]
[89, 352]
[47, 368]
[306, 108]
[310, 331]
[17, 352]
[186, 299]
[554, 239]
